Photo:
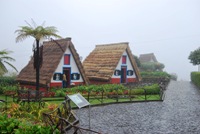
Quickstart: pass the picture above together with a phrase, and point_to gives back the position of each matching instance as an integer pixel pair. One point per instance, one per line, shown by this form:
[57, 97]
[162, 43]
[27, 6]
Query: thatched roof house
[149, 57]
[59, 57]
[111, 63]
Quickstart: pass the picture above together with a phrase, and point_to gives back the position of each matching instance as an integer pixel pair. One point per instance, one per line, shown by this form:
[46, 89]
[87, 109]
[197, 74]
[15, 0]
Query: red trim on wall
[132, 80]
[55, 84]
[78, 83]
[115, 80]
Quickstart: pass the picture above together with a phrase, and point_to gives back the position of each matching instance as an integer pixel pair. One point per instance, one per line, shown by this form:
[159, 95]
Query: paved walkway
[179, 113]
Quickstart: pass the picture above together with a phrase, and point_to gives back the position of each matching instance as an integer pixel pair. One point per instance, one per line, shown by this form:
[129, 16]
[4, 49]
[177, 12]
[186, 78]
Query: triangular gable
[52, 53]
[102, 61]
[147, 58]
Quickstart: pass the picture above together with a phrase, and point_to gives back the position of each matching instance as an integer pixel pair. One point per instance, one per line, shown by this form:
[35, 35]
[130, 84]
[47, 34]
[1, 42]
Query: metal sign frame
[79, 100]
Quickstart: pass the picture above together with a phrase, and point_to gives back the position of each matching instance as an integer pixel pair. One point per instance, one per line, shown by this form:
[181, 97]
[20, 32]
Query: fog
[168, 28]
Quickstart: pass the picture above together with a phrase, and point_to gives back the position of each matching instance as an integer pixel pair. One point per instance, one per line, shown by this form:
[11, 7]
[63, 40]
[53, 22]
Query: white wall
[73, 66]
[128, 65]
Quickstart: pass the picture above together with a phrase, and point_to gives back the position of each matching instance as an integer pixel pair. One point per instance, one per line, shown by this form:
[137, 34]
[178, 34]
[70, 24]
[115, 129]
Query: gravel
[179, 113]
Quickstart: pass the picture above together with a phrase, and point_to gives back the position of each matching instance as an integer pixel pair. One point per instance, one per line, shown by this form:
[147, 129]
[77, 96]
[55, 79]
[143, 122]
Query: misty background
[168, 28]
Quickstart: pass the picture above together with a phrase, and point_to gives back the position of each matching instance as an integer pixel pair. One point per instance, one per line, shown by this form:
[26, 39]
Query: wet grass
[94, 100]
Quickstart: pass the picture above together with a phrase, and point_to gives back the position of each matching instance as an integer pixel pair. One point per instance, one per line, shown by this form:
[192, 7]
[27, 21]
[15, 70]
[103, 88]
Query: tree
[37, 32]
[194, 57]
[159, 66]
[4, 58]
[148, 66]
[137, 60]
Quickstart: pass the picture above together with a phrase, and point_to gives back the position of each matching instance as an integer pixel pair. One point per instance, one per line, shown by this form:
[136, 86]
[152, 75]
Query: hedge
[195, 78]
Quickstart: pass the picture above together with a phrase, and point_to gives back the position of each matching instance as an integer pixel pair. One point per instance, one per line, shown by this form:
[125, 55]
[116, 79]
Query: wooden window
[75, 76]
[117, 73]
[66, 59]
[123, 59]
[57, 76]
[130, 72]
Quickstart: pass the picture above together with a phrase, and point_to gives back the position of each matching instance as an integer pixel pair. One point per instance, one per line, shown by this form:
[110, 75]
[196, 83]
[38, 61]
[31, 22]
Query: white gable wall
[128, 65]
[73, 66]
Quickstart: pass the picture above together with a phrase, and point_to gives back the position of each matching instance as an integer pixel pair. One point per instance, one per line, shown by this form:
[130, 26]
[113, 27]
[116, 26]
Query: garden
[17, 117]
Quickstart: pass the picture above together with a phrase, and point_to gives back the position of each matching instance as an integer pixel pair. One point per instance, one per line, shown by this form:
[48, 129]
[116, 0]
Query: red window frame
[124, 59]
[67, 59]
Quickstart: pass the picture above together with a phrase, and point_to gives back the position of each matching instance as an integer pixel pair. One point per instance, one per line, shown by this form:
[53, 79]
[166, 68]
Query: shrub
[152, 89]
[10, 125]
[195, 78]
[6, 80]
[152, 66]
[60, 93]
[7, 84]
[155, 74]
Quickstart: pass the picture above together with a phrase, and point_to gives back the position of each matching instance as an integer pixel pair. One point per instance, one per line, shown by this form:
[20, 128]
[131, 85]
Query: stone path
[179, 113]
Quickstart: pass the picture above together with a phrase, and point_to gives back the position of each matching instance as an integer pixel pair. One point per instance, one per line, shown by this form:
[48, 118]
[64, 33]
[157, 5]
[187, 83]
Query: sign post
[80, 101]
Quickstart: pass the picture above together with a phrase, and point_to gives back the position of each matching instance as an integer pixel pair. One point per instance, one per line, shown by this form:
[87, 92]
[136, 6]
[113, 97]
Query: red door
[123, 74]
[67, 72]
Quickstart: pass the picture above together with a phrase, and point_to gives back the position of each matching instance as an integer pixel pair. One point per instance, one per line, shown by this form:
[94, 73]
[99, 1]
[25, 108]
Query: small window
[123, 59]
[130, 72]
[117, 73]
[66, 59]
[57, 76]
[75, 76]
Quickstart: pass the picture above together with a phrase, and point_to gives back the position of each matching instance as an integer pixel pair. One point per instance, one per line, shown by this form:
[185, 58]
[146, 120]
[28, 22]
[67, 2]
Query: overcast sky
[168, 28]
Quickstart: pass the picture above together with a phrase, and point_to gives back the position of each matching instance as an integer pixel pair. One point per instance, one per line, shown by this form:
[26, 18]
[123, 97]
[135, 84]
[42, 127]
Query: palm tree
[4, 58]
[37, 32]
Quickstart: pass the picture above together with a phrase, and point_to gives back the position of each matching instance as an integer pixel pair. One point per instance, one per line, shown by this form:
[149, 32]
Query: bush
[155, 74]
[9, 125]
[195, 78]
[152, 66]
[5, 81]
[60, 93]
[152, 89]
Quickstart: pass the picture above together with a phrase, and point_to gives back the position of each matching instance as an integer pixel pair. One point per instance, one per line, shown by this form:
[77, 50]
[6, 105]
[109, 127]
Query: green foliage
[194, 57]
[159, 66]
[7, 81]
[155, 74]
[151, 89]
[137, 60]
[7, 84]
[30, 111]
[148, 66]
[10, 125]
[195, 78]
[37, 32]
[60, 93]
[97, 88]
[152, 66]
[5, 59]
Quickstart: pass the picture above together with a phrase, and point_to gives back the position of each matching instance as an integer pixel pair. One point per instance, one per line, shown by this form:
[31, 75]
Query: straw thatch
[150, 57]
[52, 54]
[103, 60]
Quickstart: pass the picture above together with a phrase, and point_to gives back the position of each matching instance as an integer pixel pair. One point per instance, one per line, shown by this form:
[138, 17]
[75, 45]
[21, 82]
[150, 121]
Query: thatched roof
[52, 54]
[103, 60]
[150, 57]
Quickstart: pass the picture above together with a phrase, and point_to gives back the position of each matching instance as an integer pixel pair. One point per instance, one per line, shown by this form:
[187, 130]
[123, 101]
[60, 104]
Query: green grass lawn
[94, 100]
